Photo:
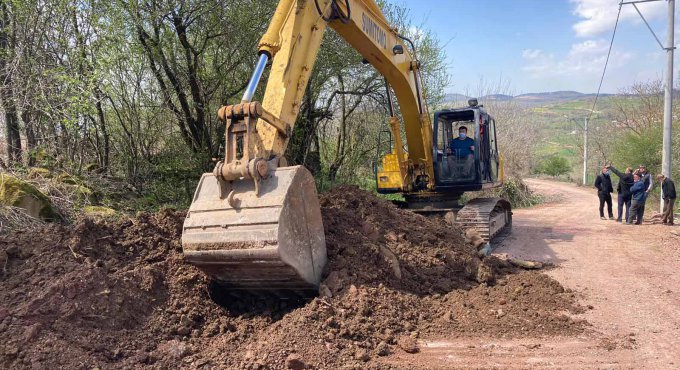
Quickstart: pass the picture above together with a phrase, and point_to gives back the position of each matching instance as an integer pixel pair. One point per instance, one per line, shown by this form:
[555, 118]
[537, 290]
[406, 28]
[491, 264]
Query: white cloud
[599, 16]
[584, 59]
[532, 54]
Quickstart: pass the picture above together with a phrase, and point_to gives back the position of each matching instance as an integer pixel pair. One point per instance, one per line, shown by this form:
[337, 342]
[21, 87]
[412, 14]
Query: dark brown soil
[119, 295]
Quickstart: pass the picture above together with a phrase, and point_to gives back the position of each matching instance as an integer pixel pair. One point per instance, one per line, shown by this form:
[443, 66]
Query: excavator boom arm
[293, 40]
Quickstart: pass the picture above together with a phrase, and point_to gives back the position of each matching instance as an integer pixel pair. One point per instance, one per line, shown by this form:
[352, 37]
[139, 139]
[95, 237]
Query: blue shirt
[638, 190]
[461, 148]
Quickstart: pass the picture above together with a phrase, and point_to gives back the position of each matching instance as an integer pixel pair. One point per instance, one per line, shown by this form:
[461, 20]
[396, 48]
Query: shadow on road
[533, 243]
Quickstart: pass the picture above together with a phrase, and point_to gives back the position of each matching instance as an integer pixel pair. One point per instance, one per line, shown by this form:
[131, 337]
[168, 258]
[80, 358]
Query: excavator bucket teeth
[273, 241]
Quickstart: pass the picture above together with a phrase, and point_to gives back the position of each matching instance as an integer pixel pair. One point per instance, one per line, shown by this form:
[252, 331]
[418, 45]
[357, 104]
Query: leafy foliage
[514, 190]
[554, 165]
[517, 193]
[132, 88]
[633, 149]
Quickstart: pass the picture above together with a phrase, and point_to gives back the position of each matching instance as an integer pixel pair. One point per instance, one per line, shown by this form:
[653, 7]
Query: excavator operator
[463, 148]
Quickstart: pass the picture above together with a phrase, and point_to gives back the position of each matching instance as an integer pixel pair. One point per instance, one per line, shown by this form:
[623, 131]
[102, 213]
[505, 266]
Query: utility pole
[668, 88]
[668, 98]
[585, 153]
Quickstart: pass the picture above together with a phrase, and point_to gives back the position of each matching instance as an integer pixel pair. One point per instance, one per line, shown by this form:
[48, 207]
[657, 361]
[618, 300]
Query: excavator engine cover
[271, 241]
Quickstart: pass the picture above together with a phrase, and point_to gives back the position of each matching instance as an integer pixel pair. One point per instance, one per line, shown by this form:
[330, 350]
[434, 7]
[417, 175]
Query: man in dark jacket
[623, 190]
[669, 195]
[463, 148]
[646, 178]
[638, 201]
[603, 183]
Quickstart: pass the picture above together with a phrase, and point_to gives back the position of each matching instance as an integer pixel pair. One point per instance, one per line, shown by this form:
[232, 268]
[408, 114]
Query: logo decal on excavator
[373, 30]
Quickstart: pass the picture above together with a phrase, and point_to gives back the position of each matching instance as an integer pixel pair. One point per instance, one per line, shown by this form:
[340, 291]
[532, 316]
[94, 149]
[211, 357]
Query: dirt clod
[294, 362]
[382, 349]
[408, 344]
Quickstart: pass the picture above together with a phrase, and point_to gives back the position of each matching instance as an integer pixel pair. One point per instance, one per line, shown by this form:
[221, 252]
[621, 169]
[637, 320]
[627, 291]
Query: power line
[611, 44]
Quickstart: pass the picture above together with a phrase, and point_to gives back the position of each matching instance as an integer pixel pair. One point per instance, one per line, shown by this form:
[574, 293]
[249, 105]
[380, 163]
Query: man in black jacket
[603, 183]
[669, 195]
[623, 190]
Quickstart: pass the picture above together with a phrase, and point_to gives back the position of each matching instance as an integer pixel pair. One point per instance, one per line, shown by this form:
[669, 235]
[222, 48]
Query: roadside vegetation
[114, 105]
[625, 130]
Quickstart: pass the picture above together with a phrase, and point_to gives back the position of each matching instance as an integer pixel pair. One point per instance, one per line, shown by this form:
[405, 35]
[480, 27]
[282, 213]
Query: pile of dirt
[118, 295]
[372, 242]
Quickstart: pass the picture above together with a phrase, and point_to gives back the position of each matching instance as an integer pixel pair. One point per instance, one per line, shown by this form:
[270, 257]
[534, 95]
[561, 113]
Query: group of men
[633, 190]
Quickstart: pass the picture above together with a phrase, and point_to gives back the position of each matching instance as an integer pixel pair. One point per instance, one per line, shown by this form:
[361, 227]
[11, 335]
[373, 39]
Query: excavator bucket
[271, 241]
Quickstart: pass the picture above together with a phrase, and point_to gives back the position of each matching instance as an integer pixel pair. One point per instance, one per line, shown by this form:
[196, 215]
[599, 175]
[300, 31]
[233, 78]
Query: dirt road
[628, 277]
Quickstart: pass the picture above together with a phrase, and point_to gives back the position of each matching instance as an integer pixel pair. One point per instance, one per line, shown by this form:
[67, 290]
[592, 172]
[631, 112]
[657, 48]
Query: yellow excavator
[255, 223]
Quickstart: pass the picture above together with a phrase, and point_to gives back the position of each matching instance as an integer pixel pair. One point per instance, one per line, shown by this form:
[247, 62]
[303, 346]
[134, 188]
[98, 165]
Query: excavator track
[489, 216]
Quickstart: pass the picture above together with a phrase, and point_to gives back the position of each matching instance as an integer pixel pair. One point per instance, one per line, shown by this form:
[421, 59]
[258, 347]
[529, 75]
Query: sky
[527, 46]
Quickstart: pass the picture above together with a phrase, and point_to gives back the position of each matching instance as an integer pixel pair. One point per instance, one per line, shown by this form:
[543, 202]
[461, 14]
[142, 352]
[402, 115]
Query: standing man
[638, 191]
[646, 178]
[623, 190]
[603, 183]
[669, 195]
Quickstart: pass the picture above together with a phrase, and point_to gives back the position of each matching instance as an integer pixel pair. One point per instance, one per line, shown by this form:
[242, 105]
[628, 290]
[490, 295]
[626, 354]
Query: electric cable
[611, 44]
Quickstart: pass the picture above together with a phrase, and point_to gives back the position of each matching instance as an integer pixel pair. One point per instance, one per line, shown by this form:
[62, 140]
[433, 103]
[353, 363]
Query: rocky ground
[117, 294]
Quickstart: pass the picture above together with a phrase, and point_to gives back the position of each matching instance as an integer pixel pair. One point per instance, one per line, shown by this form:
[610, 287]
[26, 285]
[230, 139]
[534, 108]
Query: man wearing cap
[669, 195]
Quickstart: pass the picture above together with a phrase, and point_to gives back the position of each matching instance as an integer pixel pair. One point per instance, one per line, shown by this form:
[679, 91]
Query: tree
[7, 45]
[133, 87]
[554, 166]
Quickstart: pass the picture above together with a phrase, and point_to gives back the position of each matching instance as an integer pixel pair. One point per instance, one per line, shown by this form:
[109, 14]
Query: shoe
[628, 223]
[612, 218]
[602, 218]
[618, 220]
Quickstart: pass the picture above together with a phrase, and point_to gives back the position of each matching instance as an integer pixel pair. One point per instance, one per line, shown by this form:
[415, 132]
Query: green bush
[514, 190]
[633, 149]
[554, 165]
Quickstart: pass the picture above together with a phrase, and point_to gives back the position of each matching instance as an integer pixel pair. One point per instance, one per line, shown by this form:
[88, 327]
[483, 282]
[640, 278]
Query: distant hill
[529, 98]
[497, 97]
[555, 96]
[455, 97]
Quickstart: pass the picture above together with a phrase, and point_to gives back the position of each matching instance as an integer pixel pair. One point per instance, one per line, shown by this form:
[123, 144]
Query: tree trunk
[6, 88]
[102, 126]
[12, 123]
[29, 126]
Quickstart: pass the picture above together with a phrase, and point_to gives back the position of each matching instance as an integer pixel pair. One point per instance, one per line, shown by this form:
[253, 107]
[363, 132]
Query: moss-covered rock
[39, 172]
[18, 193]
[99, 211]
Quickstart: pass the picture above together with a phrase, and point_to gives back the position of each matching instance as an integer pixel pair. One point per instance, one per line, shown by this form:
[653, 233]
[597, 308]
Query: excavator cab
[458, 167]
